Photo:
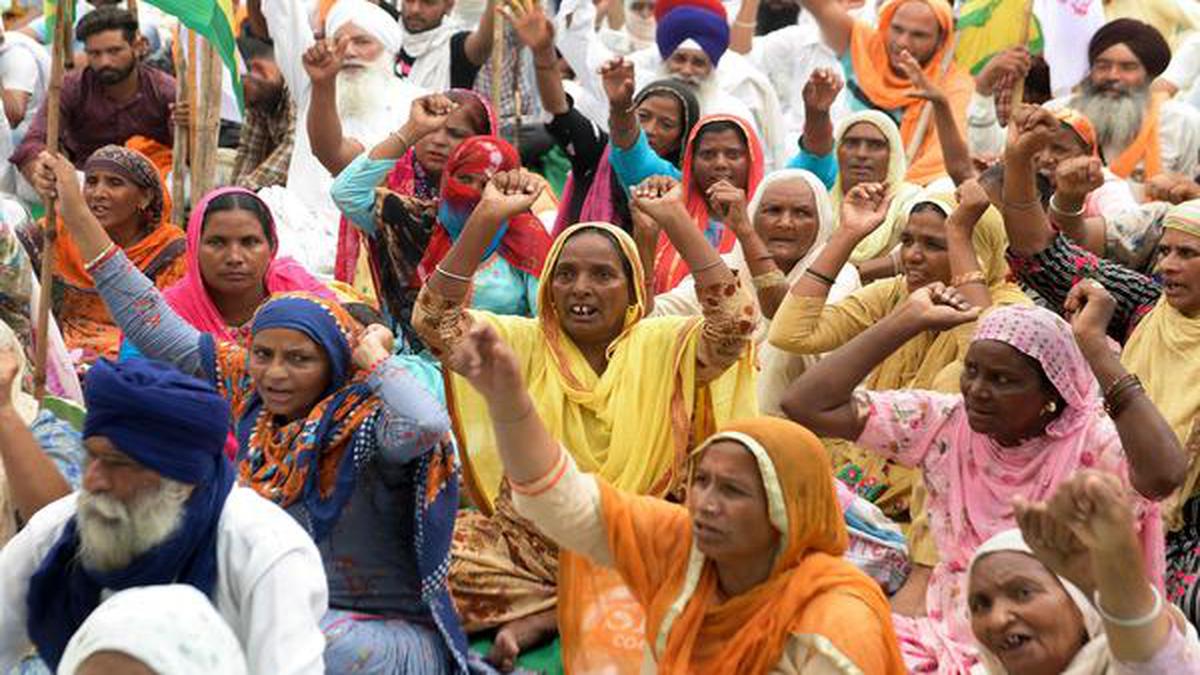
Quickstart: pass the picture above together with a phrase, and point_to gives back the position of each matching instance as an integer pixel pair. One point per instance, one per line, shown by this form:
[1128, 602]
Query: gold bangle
[451, 275]
[100, 256]
[972, 277]
[769, 280]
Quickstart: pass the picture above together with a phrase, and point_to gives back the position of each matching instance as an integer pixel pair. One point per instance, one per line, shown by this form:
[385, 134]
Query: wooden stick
[132, 6]
[193, 64]
[68, 46]
[179, 156]
[1026, 26]
[918, 138]
[58, 54]
[208, 119]
[497, 66]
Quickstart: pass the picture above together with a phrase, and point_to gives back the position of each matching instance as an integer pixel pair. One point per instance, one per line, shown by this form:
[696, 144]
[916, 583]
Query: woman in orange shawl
[125, 193]
[747, 578]
[876, 75]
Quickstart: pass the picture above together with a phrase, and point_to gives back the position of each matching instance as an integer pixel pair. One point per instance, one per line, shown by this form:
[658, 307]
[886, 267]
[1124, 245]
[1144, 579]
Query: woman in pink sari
[231, 264]
[1029, 414]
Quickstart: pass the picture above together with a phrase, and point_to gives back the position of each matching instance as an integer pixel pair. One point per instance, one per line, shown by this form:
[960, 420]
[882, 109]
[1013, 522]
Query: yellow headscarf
[923, 362]
[885, 237]
[632, 425]
[1164, 352]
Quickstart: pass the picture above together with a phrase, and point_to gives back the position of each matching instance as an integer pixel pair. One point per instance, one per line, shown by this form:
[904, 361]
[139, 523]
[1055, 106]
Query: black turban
[1142, 39]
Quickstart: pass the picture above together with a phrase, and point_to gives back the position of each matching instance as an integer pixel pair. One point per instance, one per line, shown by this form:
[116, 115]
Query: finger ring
[1096, 284]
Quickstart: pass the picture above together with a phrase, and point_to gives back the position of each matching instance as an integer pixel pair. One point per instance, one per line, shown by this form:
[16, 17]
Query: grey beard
[1116, 120]
[112, 534]
[703, 88]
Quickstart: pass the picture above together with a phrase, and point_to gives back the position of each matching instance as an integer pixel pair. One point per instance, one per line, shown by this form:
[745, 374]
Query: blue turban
[175, 425]
[166, 421]
[705, 27]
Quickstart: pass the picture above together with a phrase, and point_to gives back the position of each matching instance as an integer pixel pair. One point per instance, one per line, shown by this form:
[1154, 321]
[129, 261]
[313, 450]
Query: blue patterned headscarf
[175, 425]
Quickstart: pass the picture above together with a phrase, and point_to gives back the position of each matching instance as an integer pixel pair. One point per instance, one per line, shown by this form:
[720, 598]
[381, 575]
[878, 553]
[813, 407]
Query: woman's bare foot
[517, 636]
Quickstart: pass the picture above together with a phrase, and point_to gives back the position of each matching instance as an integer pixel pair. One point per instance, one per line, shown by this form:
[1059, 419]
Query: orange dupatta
[1144, 150]
[810, 585]
[890, 91]
[84, 318]
[669, 267]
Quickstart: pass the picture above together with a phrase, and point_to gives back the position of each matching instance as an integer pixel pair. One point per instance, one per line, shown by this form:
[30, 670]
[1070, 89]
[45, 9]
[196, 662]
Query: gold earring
[1050, 408]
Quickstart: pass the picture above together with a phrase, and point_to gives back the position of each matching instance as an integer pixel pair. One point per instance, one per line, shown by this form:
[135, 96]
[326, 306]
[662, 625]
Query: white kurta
[271, 586]
[304, 211]
[789, 56]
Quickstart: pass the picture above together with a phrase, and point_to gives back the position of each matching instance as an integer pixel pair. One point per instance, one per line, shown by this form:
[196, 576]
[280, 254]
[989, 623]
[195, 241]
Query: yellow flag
[988, 27]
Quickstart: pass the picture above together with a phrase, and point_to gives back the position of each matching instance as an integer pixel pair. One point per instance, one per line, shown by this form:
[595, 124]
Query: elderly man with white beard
[347, 98]
[158, 505]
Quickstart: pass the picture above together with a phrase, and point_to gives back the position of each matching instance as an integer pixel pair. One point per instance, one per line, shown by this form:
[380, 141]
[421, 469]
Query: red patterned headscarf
[522, 241]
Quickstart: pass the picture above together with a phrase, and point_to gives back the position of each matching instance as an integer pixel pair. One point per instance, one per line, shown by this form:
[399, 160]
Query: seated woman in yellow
[627, 394]
[957, 244]
[748, 577]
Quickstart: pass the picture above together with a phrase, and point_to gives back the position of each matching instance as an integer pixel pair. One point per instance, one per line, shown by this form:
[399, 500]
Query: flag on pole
[212, 19]
[48, 11]
[230, 105]
[988, 27]
[1059, 31]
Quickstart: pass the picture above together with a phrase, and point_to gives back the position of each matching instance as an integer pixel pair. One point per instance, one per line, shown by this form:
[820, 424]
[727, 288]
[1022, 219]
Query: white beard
[704, 89]
[112, 533]
[1117, 120]
[363, 92]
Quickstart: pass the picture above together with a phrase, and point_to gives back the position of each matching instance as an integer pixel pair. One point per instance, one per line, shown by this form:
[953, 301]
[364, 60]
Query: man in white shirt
[438, 52]
[1182, 77]
[354, 102]
[24, 76]
[158, 505]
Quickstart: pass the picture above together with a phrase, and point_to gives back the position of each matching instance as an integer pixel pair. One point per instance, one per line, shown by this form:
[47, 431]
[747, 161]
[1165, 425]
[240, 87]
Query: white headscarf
[824, 212]
[173, 629]
[778, 367]
[25, 404]
[1092, 659]
[368, 16]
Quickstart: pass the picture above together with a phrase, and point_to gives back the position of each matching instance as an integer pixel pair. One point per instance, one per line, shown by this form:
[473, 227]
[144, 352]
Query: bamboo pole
[918, 137]
[192, 63]
[58, 53]
[179, 156]
[497, 65]
[208, 119]
[1026, 26]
